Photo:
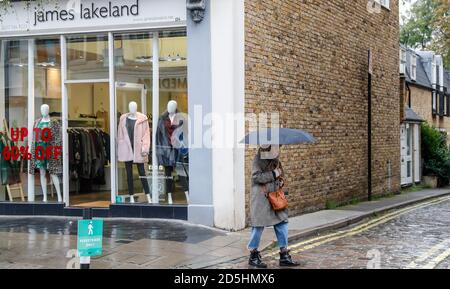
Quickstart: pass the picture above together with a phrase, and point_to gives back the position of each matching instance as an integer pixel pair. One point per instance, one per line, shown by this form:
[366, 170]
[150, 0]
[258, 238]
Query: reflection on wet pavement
[49, 242]
[118, 229]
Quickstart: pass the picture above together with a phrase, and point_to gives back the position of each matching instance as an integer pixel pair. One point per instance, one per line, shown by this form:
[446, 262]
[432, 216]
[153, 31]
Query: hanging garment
[141, 143]
[9, 169]
[166, 153]
[54, 166]
[87, 156]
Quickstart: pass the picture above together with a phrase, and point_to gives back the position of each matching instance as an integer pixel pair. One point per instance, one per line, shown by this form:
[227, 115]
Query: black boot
[286, 260]
[255, 260]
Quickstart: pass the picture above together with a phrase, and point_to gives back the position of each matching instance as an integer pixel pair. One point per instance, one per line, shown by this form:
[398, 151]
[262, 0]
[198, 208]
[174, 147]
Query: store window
[13, 115]
[88, 121]
[133, 54]
[151, 121]
[47, 168]
[87, 57]
[172, 133]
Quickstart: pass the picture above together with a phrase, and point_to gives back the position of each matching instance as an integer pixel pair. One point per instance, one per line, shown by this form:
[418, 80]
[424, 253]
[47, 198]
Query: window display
[134, 74]
[13, 117]
[172, 128]
[47, 135]
[171, 151]
[47, 127]
[133, 139]
[73, 90]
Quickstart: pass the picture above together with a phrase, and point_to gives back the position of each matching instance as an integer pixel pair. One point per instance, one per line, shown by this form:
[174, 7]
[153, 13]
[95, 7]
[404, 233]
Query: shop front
[100, 101]
[92, 95]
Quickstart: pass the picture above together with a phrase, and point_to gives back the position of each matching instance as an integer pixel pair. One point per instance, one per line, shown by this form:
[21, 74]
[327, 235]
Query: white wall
[228, 80]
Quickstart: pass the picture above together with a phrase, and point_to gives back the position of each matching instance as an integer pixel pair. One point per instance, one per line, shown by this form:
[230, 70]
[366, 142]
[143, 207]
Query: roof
[412, 116]
[421, 75]
[424, 68]
[447, 80]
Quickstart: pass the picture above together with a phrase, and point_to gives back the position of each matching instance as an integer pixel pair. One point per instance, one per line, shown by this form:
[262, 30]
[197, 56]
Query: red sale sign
[23, 152]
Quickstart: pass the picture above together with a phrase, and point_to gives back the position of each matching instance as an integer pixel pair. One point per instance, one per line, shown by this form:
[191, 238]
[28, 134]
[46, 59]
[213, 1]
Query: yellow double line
[436, 261]
[315, 242]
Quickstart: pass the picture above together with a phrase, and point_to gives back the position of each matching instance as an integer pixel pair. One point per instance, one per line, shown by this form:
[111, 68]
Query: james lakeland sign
[87, 12]
[82, 16]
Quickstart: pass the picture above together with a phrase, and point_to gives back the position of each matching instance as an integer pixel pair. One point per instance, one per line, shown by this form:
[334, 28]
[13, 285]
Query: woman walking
[267, 174]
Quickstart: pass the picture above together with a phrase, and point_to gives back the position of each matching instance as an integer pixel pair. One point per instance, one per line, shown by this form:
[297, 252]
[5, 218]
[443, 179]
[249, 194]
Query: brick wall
[421, 104]
[308, 60]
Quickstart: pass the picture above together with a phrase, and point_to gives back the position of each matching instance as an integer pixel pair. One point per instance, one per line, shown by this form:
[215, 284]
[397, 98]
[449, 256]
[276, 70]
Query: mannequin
[133, 146]
[168, 155]
[42, 165]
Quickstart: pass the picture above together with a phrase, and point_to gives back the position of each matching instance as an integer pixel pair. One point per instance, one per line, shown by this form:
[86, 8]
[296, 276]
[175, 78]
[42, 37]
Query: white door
[406, 154]
[416, 153]
[127, 92]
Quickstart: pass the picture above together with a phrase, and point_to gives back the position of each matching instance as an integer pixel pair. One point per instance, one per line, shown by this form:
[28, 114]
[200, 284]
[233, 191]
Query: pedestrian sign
[90, 238]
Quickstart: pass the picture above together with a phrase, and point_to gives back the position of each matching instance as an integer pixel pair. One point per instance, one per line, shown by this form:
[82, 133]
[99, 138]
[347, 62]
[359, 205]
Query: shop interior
[88, 97]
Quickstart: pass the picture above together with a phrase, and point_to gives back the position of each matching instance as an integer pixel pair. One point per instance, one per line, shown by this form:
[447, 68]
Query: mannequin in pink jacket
[136, 152]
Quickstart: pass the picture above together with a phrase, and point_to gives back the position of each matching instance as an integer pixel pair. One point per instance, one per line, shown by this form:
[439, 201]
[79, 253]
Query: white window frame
[402, 60]
[384, 3]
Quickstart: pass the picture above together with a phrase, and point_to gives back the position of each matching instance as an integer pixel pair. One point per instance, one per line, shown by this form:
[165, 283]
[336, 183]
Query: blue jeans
[281, 230]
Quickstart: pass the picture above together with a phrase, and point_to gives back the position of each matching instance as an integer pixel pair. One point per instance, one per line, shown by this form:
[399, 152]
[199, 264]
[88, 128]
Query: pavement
[142, 244]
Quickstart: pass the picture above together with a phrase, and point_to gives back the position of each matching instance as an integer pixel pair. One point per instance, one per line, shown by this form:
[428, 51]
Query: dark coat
[166, 153]
[263, 181]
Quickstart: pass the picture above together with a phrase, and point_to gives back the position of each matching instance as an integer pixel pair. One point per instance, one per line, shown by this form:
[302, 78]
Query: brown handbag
[277, 199]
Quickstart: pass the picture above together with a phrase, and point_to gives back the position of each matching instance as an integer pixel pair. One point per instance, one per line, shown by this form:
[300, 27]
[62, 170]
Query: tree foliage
[427, 26]
[435, 154]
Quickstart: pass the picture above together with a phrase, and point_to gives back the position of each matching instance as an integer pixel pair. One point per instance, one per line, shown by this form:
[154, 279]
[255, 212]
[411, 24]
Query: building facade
[224, 62]
[309, 61]
[424, 87]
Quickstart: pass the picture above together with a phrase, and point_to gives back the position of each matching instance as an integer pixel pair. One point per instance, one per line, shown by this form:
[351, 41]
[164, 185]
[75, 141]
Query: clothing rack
[85, 128]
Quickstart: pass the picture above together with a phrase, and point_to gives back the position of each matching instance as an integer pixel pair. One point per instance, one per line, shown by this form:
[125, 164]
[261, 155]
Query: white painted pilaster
[228, 81]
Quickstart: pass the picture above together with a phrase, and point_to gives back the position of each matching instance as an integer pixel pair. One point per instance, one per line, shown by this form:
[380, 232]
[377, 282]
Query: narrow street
[417, 236]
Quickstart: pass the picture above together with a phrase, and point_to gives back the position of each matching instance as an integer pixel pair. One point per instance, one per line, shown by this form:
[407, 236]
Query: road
[417, 236]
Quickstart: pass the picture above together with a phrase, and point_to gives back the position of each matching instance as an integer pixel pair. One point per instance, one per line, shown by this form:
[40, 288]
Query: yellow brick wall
[308, 60]
[421, 104]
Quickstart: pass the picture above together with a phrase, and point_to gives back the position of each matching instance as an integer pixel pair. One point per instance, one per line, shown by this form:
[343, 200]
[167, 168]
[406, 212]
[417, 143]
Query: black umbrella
[280, 136]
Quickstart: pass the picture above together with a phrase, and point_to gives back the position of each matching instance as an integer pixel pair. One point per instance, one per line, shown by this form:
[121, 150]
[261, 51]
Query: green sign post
[90, 237]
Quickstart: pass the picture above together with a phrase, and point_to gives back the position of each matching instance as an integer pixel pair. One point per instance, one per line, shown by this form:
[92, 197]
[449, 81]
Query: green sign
[90, 237]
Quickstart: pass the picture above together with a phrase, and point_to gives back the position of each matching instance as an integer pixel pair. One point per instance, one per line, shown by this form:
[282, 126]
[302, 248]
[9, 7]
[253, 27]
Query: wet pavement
[36, 242]
[417, 236]
[113, 229]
